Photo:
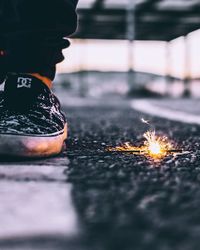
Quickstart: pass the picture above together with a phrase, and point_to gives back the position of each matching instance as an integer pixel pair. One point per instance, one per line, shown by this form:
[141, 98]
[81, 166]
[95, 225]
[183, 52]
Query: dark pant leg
[33, 32]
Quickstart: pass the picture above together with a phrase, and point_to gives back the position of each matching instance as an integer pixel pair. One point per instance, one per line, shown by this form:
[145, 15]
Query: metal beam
[150, 22]
[98, 4]
[149, 4]
[164, 14]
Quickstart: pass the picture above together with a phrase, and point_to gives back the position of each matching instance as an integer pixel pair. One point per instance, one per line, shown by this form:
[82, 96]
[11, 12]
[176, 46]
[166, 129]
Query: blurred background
[134, 48]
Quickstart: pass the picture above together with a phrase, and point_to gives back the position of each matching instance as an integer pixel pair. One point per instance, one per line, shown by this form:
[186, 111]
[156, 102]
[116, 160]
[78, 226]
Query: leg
[36, 32]
[33, 31]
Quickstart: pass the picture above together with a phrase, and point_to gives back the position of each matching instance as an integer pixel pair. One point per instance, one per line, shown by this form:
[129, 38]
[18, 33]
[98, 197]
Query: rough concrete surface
[88, 198]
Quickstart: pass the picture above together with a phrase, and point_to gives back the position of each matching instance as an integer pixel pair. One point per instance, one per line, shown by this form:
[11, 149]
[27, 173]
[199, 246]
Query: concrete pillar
[187, 72]
[83, 72]
[168, 73]
[130, 35]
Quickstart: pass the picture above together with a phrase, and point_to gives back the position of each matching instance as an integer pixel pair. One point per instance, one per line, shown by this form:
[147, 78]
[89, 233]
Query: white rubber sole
[32, 146]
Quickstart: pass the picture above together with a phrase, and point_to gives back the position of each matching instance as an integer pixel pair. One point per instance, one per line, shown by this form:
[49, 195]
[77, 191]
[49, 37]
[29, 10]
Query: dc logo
[24, 82]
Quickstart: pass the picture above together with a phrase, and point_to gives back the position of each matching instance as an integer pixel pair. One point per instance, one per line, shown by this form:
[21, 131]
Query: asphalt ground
[117, 200]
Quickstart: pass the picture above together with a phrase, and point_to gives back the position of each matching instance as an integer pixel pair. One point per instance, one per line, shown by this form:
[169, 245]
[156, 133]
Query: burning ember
[154, 146]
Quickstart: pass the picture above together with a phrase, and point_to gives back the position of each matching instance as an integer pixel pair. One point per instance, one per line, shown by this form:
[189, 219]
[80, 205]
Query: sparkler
[157, 147]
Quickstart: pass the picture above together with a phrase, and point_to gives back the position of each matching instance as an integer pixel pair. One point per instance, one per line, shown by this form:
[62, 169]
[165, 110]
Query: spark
[155, 146]
[145, 121]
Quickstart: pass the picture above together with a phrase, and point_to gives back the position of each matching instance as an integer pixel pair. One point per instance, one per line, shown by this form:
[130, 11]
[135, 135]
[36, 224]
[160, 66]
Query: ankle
[47, 81]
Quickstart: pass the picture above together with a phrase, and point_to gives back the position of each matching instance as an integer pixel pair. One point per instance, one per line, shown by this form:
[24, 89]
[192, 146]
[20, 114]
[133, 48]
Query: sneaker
[31, 122]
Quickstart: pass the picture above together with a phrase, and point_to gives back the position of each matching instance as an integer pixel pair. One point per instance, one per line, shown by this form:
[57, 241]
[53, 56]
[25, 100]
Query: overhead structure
[161, 20]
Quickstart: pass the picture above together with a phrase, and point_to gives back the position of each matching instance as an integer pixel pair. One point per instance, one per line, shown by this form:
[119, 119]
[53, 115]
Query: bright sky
[106, 55]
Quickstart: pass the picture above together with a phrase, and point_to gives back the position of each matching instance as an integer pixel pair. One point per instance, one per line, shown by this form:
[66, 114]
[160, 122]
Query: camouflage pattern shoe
[31, 121]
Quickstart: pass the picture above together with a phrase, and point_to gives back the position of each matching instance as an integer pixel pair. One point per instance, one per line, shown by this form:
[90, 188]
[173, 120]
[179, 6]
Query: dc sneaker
[31, 121]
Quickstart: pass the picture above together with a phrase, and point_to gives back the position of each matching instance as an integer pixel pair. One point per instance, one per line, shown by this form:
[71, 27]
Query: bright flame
[155, 146]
